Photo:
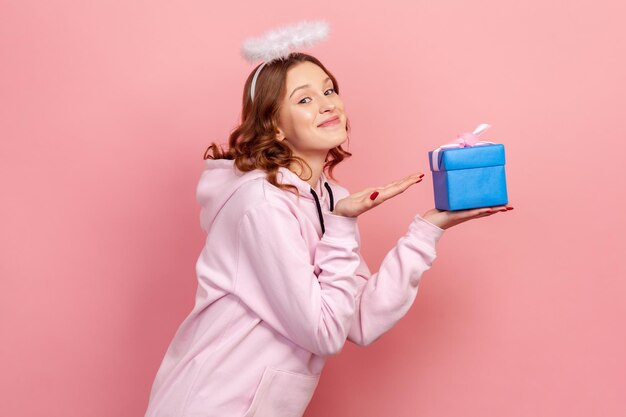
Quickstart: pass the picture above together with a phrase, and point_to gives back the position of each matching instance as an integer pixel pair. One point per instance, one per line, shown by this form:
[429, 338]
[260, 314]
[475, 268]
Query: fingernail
[374, 195]
[509, 208]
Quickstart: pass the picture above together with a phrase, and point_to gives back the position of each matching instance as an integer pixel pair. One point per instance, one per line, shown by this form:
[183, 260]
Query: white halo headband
[280, 42]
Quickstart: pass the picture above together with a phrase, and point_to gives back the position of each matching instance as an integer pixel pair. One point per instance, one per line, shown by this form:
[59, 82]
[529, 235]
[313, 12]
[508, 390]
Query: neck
[315, 168]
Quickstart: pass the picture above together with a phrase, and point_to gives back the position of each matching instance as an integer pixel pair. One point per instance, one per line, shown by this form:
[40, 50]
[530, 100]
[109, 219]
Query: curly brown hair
[253, 143]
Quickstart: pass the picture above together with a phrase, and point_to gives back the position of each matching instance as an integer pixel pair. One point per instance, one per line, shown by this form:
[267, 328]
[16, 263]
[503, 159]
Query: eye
[309, 98]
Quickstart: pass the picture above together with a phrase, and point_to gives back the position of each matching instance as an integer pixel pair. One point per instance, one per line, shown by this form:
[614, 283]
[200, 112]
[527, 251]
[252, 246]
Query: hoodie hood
[221, 178]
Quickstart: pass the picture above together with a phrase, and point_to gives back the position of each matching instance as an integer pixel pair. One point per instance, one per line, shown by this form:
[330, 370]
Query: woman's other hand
[447, 219]
[360, 202]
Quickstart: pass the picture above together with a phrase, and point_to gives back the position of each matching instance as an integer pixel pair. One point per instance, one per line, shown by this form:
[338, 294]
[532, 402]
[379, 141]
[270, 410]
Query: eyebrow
[305, 86]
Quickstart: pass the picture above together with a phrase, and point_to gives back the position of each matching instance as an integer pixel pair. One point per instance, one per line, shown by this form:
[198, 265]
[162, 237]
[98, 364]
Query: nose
[327, 104]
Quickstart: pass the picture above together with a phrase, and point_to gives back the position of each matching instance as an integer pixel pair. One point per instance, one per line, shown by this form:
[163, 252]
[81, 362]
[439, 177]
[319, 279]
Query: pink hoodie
[276, 296]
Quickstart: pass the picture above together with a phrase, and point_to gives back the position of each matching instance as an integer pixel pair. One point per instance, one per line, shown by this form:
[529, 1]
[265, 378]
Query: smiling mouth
[332, 122]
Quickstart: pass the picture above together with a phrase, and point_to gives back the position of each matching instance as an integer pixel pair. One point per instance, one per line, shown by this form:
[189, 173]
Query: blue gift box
[469, 177]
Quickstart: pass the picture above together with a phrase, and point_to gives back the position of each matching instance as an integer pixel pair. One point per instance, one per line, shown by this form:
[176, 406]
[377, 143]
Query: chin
[339, 143]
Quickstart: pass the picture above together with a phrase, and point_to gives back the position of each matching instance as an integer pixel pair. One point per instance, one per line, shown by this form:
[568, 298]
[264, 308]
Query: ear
[280, 135]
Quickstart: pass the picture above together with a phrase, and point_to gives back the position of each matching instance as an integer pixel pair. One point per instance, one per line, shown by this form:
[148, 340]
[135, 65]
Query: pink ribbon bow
[464, 140]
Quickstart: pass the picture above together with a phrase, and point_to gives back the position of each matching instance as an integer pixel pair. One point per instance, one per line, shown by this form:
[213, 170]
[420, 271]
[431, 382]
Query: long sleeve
[276, 277]
[384, 297]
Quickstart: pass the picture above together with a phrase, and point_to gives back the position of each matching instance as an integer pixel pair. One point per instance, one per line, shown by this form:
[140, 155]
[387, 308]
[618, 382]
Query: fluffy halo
[280, 42]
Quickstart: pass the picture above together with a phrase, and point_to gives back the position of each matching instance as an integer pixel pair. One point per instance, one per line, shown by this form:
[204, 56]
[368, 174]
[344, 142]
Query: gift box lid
[470, 157]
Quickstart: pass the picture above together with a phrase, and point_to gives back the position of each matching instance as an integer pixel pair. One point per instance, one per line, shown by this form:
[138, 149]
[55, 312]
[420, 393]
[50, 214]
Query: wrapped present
[468, 173]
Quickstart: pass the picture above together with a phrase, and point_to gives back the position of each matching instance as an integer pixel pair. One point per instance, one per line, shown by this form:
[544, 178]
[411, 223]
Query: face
[311, 118]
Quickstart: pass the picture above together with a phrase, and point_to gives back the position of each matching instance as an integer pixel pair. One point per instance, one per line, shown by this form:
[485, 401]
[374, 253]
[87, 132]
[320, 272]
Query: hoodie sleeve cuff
[425, 229]
[339, 227]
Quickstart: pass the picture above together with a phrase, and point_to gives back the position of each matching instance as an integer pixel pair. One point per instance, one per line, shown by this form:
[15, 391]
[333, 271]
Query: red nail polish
[374, 195]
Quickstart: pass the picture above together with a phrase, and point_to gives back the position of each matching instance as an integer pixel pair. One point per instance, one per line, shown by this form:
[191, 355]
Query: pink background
[107, 107]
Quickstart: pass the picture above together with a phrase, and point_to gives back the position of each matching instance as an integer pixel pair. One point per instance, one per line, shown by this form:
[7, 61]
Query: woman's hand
[447, 219]
[360, 202]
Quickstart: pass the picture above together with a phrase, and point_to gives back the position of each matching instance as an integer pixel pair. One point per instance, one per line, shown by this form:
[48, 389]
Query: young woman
[281, 283]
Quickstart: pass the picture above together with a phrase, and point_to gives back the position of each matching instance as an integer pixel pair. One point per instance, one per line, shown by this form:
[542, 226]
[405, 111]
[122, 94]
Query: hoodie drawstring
[330, 194]
[319, 208]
